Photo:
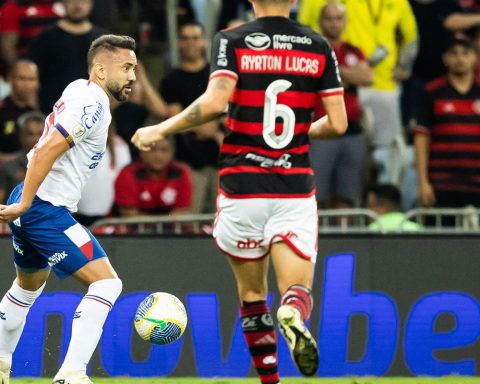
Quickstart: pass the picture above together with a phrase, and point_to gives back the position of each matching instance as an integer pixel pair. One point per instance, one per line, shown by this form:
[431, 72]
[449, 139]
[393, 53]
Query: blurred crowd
[410, 70]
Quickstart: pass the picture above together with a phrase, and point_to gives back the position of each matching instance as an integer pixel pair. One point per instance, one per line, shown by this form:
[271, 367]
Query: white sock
[14, 308]
[88, 322]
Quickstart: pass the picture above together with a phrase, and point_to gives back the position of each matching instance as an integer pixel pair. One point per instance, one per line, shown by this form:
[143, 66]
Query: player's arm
[334, 123]
[40, 164]
[210, 105]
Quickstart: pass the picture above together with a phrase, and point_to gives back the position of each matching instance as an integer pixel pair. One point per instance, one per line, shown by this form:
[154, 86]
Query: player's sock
[88, 322]
[259, 332]
[299, 297]
[14, 308]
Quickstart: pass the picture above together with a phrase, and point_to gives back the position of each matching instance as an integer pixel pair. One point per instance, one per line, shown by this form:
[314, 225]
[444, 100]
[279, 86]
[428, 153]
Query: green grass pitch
[417, 380]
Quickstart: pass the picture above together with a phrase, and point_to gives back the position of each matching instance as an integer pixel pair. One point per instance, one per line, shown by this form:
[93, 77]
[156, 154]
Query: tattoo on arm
[194, 115]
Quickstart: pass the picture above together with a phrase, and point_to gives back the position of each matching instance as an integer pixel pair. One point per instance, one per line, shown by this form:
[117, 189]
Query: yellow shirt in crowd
[371, 23]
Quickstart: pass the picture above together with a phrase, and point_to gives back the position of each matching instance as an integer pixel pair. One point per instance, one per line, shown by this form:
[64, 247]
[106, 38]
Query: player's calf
[259, 332]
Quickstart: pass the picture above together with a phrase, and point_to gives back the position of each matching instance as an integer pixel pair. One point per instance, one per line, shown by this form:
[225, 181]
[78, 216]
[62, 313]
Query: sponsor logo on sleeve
[222, 60]
[258, 41]
[79, 131]
[92, 114]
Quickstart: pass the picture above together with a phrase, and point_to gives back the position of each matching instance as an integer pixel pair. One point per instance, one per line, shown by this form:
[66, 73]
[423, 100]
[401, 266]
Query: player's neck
[334, 42]
[113, 103]
[272, 11]
[192, 65]
[462, 83]
[75, 28]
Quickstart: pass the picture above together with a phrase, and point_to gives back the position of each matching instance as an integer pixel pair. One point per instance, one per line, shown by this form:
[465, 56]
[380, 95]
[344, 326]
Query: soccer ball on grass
[160, 318]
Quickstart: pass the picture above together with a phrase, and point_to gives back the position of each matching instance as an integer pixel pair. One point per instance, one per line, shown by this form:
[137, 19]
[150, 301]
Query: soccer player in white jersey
[44, 233]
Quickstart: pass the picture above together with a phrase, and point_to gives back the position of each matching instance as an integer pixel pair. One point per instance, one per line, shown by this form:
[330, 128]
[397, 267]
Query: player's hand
[145, 138]
[427, 195]
[9, 213]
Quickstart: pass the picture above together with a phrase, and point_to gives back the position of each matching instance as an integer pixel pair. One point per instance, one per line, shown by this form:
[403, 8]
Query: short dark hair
[108, 43]
[13, 67]
[387, 195]
[190, 23]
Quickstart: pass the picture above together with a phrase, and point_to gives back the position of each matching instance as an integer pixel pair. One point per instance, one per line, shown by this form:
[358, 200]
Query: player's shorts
[247, 228]
[47, 236]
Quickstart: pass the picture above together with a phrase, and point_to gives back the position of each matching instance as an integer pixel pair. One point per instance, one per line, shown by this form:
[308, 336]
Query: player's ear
[99, 71]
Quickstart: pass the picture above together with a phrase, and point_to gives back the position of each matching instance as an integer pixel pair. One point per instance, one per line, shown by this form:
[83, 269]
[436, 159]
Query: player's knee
[109, 289]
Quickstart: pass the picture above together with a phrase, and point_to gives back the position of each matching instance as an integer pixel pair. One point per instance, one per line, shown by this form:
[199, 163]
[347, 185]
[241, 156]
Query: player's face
[77, 11]
[31, 134]
[24, 81]
[191, 42]
[332, 21]
[159, 156]
[121, 74]
[460, 60]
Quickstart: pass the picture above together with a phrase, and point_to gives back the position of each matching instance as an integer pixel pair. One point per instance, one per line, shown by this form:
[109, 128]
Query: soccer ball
[160, 318]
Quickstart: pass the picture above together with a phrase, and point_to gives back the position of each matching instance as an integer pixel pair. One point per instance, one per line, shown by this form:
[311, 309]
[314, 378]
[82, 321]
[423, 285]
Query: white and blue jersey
[82, 116]
[47, 236]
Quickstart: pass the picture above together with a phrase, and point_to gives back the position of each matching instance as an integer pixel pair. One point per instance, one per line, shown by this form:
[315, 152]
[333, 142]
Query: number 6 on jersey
[272, 110]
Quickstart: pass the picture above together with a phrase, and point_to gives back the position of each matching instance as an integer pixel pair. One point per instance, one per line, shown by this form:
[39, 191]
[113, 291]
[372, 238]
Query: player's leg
[294, 277]
[257, 323]
[293, 229]
[14, 308]
[239, 233]
[104, 287]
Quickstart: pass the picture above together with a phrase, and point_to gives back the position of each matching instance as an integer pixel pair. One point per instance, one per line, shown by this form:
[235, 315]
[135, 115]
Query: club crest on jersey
[258, 41]
[92, 114]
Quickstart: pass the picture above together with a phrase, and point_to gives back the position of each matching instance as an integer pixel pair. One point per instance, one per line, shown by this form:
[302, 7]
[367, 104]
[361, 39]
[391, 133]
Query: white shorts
[247, 228]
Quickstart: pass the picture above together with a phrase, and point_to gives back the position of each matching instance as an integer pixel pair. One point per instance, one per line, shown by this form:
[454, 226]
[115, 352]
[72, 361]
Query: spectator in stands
[199, 149]
[154, 185]
[23, 80]
[476, 45]
[438, 21]
[376, 27]
[12, 172]
[99, 193]
[447, 138]
[21, 21]
[60, 51]
[339, 163]
[386, 201]
[133, 113]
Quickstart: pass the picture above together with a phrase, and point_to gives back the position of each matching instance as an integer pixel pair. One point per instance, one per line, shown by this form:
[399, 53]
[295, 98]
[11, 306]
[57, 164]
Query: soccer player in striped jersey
[44, 233]
[269, 73]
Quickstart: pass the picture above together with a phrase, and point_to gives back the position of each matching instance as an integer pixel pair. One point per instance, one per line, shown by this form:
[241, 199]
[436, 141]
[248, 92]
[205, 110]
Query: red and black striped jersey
[281, 67]
[28, 19]
[452, 120]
